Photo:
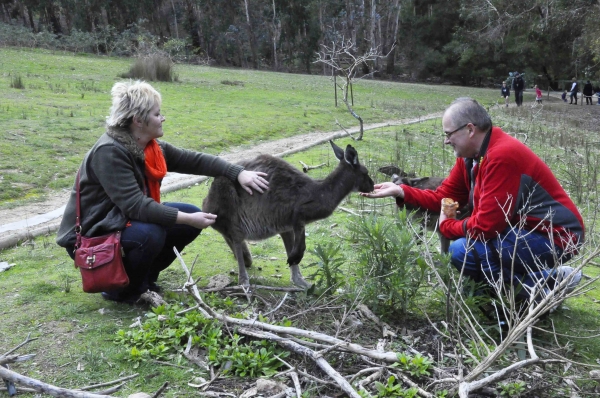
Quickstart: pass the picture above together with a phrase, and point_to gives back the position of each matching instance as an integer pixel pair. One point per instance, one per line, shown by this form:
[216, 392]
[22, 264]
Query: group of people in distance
[521, 230]
[518, 86]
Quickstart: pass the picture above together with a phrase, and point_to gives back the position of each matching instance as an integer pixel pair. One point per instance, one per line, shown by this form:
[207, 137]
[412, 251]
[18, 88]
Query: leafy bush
[328, 274]
[394, 389]
[515, 389]
[164, 333]
[389, 271]
[178, 49]
[416, 366]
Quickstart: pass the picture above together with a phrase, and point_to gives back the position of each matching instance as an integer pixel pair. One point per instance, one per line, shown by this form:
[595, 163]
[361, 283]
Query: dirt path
[24, 222]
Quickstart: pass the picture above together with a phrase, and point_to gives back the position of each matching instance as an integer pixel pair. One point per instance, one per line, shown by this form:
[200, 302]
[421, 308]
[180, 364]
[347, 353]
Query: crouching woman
[119, 186]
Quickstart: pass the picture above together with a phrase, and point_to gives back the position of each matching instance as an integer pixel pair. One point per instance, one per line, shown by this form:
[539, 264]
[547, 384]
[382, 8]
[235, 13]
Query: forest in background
[475, 42]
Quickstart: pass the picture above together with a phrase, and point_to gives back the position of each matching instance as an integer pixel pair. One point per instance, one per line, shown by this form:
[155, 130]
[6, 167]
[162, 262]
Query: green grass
[50, 125]
[42, 294]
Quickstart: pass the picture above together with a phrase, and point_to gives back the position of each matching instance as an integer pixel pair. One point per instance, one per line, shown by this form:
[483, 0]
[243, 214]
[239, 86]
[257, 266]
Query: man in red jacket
[523, 225]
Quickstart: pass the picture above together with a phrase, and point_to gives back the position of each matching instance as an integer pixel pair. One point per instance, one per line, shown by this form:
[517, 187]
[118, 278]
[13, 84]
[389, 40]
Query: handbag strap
[77, 212]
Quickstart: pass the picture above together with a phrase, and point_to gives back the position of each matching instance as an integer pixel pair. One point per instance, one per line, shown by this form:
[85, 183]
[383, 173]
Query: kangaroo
[292, 201]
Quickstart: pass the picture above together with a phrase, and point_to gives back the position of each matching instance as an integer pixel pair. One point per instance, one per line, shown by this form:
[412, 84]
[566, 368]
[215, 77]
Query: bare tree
[251, 37]
[343, 61]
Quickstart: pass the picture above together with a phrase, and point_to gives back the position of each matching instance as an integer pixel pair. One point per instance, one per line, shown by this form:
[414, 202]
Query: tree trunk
[53, 19]
[394, 15]
[175, 20]
[276, 35]
[193, 24]
[251, 37]
[30, 14]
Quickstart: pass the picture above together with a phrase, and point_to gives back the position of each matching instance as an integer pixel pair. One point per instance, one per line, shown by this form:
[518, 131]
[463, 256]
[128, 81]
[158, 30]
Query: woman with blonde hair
[120, 180]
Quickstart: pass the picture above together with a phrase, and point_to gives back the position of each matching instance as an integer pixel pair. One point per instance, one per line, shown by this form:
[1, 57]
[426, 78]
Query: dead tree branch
[343, 61]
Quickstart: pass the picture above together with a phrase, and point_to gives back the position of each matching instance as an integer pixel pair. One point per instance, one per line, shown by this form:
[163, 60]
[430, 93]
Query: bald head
[466, 110]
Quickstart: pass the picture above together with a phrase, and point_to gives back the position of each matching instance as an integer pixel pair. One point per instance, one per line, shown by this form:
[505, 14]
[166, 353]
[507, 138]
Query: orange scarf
[156, 168]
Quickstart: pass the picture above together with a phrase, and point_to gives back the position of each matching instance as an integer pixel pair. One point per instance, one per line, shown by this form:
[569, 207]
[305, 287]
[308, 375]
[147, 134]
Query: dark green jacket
[112, 185]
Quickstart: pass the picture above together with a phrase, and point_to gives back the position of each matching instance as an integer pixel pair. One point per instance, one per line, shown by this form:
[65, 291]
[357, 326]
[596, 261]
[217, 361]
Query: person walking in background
[523, 226]
[120, 190]
[519, 86]
[505, 93]
[574, 91]
[538, 94]
[588, 91]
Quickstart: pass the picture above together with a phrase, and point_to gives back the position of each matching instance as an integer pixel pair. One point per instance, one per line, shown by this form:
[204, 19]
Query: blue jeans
[535, 257]
[149, 248]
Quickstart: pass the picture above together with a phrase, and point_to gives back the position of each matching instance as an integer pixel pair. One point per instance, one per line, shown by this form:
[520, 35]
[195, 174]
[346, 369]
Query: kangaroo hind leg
[291, 247]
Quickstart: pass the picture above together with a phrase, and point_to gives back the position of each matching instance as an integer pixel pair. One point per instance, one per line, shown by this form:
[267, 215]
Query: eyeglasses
[449, 133]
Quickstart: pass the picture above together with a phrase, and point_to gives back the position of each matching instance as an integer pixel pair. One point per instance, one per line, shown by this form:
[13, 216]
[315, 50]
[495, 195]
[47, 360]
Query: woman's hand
[198, 220]
[250, 180]
[384, 190]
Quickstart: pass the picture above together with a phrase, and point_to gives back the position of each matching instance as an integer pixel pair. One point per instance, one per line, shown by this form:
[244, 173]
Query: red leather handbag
[100, 258]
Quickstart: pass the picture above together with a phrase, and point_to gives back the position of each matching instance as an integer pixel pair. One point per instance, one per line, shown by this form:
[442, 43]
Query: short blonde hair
[131, 99]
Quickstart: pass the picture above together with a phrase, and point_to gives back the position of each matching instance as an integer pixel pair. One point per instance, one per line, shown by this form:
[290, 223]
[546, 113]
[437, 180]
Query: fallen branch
[307, 352]
[345, 131]
[306, 168]
[254, 287]
[46, 388]
[108, 383]
[160, 390]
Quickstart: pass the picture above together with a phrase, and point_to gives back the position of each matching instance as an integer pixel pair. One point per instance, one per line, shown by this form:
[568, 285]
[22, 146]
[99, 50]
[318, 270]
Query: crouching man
[523, 225]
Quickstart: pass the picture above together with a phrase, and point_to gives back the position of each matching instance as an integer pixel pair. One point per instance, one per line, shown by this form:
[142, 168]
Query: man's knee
[458, 252]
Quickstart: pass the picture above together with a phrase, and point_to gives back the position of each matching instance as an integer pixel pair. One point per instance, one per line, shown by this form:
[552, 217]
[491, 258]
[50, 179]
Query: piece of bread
[449, 207]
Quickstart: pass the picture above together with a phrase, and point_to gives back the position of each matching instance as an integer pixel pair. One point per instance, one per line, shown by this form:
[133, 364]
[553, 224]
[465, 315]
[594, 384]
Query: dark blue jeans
[149, 248]
[520, 257]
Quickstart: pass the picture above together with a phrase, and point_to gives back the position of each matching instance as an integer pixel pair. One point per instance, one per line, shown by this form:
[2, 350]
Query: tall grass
[154, 67]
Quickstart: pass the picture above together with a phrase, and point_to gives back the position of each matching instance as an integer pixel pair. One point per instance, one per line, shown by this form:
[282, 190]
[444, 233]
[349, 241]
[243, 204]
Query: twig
[27, 340]
[412, 384]
[347, 211]
[297, 348]
[374, 376]
[306, 168]
[254, 287]
[294, 377]
[279, 305]
[160, 390]
[214, 376]
[108, 383]
[46, 388]
[169, 364]
[362, 372]
[111, 390]
[345, 131]
[15, 358]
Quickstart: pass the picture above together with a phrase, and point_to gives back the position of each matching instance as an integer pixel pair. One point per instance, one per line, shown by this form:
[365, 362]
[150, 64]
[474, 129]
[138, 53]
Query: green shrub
[416, 366]
[389, 271]
[328, 274]
[165, 333]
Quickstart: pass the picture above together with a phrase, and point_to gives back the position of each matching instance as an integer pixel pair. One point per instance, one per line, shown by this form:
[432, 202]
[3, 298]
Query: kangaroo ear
[339, 152]
[351, 155]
